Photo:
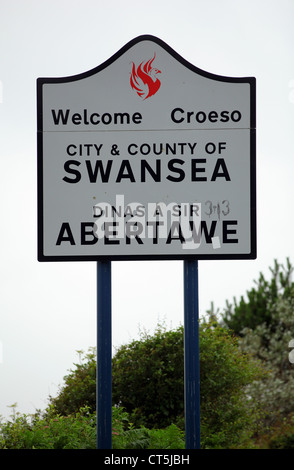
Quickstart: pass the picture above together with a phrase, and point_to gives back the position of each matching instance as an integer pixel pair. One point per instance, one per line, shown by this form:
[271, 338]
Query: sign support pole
[104, 346]
[191, 354]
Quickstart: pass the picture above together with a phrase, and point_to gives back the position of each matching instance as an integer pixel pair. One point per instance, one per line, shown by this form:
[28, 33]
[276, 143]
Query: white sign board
[146, 157]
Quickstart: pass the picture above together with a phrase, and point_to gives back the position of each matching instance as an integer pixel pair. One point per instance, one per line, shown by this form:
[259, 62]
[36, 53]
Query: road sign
[146, 157]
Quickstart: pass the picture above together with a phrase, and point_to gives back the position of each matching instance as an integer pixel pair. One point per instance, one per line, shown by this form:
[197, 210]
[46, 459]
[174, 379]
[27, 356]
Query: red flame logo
[144, 79]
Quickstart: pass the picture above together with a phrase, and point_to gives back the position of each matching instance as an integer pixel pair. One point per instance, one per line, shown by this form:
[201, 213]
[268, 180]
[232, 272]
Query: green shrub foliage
[148, 378]
[148, 383]
[265, 323]
[258, 307]
[246, 384]
[79, 388]
[148, 397]
[78, 431]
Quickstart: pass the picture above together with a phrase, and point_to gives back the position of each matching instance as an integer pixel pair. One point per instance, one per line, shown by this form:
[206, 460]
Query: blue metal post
[191, 344]
[104, 346]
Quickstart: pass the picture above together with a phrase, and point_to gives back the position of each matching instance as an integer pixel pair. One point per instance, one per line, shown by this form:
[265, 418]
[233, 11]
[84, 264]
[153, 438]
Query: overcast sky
[48, 310]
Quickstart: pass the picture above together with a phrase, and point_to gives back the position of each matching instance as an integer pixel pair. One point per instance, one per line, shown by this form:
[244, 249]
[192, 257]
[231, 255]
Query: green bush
[126, 436]
[278, 436]
[79, 388]
[285, 441]
[79, 432]
[148, 397]
[148, 383]
[258, 307]
[53, 432]
[228, 416]
[169, 438]
[148, 378]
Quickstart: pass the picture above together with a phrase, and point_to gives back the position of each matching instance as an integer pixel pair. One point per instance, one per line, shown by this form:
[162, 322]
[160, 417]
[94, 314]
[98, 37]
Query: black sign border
[172, 52]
